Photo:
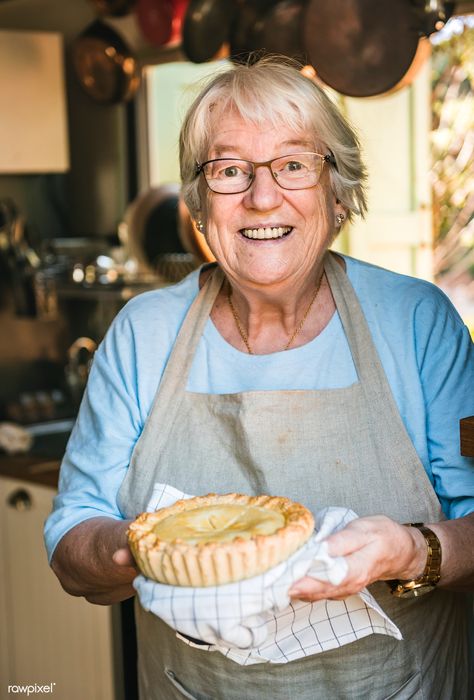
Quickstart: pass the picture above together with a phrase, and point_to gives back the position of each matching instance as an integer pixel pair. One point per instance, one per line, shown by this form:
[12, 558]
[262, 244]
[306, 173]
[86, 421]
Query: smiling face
[297, 225]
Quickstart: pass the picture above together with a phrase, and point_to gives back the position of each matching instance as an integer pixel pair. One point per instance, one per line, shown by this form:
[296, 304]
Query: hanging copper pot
[155, 19]
[105, 67]
[206, 27]
[246, 30]
[179, 12]
[281, 29]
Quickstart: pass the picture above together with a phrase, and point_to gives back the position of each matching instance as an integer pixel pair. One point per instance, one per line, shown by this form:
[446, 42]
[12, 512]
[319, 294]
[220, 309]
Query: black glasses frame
[328, 158]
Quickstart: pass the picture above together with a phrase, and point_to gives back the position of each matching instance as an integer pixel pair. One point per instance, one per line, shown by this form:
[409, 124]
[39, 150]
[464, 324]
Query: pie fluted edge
[178, 563]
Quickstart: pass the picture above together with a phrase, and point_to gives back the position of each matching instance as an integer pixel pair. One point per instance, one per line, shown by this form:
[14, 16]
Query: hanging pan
[179, 12]
[361, 48]
[206, 28]
[157, 224]
[246, 30]
[105, 67]
[155, 19]
[281, 30]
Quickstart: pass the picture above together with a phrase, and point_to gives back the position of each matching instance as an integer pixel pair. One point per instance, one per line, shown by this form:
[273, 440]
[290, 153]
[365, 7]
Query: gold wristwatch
[430, 576]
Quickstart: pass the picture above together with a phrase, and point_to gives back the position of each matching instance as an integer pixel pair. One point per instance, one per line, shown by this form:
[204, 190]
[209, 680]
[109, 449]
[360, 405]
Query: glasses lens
[298, 170]
[228, 175]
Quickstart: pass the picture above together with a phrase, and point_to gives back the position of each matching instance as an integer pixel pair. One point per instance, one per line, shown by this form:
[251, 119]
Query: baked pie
[215, 539]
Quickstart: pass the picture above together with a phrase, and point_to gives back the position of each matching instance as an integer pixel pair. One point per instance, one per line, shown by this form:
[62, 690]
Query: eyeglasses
[297, 171]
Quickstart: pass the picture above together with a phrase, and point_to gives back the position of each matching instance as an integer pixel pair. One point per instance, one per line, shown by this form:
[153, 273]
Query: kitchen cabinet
[47, 636]
[34, 132]
[467, 436]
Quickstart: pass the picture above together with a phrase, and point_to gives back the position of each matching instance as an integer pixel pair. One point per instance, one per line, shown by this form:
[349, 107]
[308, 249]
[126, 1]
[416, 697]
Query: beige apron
[339, 447]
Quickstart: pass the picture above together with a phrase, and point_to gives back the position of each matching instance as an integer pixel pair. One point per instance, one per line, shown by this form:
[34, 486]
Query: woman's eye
[294, 166]
[231, 171]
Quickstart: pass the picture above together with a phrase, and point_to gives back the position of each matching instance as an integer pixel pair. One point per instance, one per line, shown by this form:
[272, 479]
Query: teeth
[276, 232]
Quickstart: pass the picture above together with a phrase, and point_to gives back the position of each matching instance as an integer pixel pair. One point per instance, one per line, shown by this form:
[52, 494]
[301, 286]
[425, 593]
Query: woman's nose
[264, 193]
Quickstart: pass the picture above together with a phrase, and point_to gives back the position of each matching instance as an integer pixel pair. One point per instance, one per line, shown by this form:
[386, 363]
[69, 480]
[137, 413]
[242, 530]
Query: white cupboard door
[52, 638]
[33, 125]
[394, 131]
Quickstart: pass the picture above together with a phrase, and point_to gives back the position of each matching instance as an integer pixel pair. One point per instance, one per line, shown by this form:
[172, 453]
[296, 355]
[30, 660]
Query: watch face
[417, 591]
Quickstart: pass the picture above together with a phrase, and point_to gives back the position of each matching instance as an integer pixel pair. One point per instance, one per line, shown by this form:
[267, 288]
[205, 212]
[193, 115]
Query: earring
[200, 226]
[340, 219]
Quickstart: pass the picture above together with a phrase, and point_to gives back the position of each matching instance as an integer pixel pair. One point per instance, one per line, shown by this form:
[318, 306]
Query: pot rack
[360, 48]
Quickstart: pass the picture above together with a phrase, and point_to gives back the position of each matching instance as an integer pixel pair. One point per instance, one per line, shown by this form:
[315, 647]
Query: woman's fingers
[391, 550]
[375, 548]
[360, 533]
[309, 588]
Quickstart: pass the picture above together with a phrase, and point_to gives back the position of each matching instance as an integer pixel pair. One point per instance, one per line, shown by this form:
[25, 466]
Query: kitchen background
[91, 95]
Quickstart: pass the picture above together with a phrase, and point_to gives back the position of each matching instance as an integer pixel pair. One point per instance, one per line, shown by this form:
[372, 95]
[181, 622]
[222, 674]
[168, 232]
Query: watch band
[431, 574]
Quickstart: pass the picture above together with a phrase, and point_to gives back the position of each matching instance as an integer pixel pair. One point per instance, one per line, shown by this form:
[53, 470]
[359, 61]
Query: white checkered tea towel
[254, 621]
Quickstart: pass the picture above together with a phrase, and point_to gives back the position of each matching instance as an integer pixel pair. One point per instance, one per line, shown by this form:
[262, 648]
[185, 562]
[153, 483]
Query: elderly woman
[284, 369]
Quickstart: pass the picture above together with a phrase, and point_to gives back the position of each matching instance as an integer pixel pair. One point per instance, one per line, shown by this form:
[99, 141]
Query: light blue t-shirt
[424, 347]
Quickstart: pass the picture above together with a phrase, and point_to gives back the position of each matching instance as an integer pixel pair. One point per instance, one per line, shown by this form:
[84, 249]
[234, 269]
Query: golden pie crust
[216, 539]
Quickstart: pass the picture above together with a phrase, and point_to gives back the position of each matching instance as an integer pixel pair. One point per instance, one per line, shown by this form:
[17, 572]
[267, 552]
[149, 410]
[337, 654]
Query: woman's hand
[93, 560]
[375, 548]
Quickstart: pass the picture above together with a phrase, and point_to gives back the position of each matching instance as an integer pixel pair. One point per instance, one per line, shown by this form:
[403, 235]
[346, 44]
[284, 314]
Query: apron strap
[192, 328]
[168, 397]
[385, 415]
[364, 354]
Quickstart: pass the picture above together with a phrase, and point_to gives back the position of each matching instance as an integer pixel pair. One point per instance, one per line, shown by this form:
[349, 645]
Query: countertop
[30, 468]
[43, 468]
[41, 464]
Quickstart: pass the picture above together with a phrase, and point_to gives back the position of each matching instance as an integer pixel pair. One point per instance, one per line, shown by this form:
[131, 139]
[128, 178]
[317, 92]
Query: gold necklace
[298, 328]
